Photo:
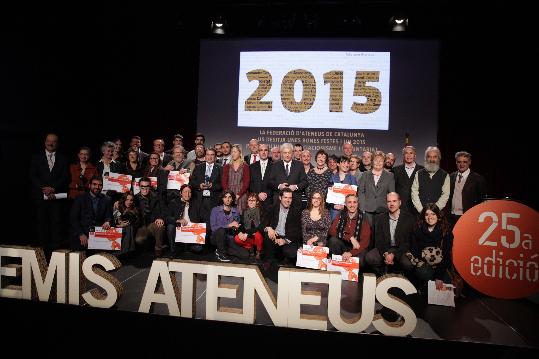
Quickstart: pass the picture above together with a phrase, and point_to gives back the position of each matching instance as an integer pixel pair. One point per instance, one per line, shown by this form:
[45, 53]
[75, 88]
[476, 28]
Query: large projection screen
[374, 93]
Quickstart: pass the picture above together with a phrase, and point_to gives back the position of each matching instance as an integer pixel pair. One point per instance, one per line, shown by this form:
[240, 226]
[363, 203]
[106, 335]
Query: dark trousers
[376, 261]
[205, 206]
[221, 240]
[372, 217]
[338, 247]
[177, 246]
[49, 224]
[272, 250]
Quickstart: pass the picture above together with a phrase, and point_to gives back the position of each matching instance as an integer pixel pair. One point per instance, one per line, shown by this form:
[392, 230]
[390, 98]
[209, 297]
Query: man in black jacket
[49, 176]
[260, 173]
[404, 177]
[467, 188]
[288, 173]
[152, 223]
[206, 183]
[89, 210]
[393, 230]
[282, 229]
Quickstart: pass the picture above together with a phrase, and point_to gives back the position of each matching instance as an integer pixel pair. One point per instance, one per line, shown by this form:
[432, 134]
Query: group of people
[265, 205]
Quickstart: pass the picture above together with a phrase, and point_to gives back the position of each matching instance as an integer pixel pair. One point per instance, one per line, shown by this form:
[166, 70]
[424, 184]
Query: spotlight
[219, 26]
[398, 23]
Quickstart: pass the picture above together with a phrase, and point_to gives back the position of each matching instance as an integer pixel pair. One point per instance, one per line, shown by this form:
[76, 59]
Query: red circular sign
[496, 249]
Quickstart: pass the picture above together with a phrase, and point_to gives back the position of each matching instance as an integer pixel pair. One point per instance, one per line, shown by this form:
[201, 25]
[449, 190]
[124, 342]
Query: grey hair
[107, 144]
[435, 149]
[468, 155]
[287, 145]
[408, 147]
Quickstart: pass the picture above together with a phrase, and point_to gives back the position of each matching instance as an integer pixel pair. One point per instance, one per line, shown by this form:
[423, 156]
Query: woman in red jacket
[81, 172]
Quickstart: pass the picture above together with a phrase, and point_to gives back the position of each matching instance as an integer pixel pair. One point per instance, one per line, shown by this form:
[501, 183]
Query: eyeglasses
[142, 187]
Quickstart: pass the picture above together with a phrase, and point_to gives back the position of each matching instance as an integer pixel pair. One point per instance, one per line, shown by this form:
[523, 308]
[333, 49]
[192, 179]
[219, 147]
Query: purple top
[218, 218]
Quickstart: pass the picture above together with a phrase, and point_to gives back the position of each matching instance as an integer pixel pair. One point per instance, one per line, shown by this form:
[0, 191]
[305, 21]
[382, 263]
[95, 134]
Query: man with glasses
[150, 207]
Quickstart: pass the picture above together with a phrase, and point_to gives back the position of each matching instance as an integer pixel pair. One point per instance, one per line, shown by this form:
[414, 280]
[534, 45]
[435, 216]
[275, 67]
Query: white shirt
[209, 169]
[289, 166]
[263, 165]
[51, 157]
[253, 158]
[186, 213]
[409, 169]
[227, 158]
[464, 174]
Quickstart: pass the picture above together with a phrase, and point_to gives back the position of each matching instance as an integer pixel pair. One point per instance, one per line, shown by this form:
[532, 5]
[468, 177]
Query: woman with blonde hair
[236, 177]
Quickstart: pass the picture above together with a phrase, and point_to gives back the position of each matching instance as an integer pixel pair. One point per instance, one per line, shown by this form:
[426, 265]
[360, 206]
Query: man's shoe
[158, 252]
[222, 256]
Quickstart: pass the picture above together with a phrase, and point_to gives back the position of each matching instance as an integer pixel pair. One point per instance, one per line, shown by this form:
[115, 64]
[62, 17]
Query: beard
[432, 167]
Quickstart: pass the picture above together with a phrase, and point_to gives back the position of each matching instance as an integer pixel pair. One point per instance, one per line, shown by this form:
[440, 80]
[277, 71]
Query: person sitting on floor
[127, 217]
[249, 233]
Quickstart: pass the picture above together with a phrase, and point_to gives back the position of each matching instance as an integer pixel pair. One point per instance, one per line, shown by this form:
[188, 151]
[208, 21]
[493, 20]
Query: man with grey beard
[431, 184]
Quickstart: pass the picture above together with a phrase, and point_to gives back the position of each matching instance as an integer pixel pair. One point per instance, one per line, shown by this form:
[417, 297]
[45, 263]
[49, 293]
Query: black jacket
[403, 232]
[40, 176]
[175, 211]
[154, 210]
[475, 188]
[292, 225]
[83, 216]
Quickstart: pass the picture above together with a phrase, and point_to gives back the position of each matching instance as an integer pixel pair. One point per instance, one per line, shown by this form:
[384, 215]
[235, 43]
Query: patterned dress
[318, 182]
[312, 228]
[235, 179]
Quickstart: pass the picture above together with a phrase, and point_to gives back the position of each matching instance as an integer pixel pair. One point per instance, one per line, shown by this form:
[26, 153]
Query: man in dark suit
[392, 238]
[49, 176]
[404, 177]
[260, 173]
[467, 188]
[254, 149]
[288, 173]
[282, 232]
[206, 182]
[89, 210]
